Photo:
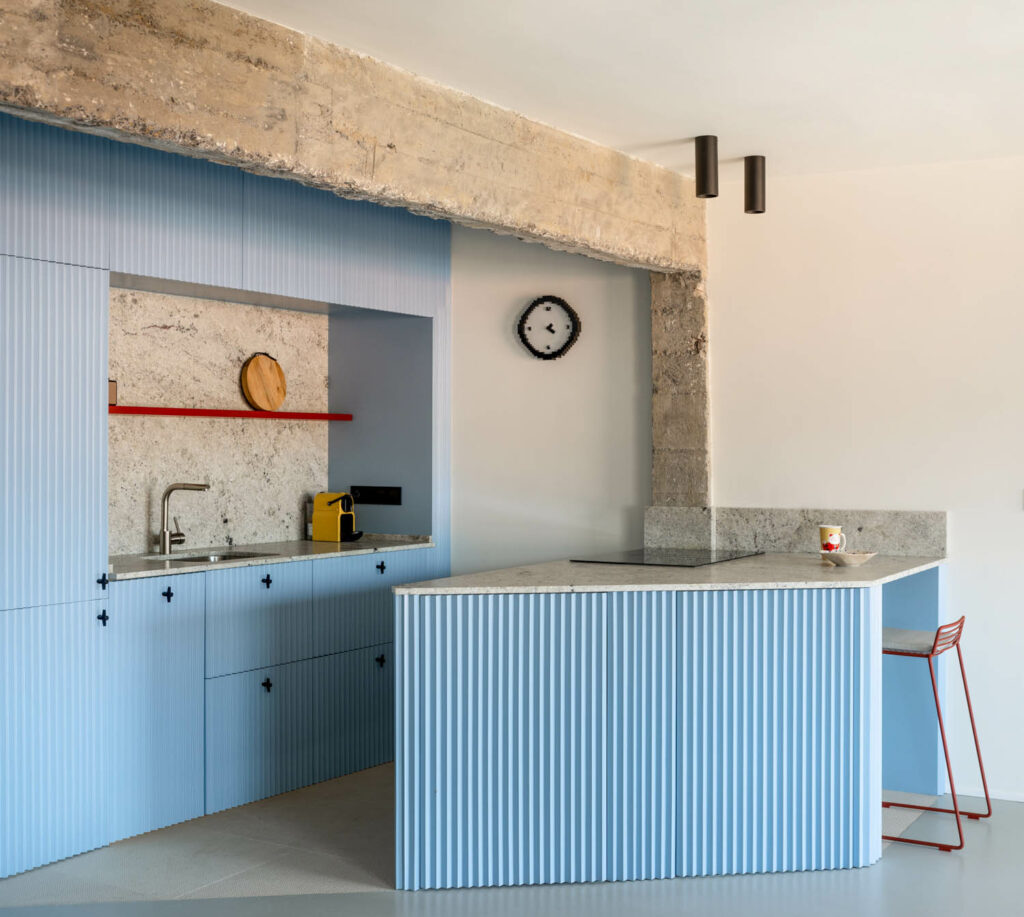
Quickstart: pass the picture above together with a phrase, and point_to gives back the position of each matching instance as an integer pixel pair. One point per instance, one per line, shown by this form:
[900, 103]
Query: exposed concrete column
[680, 409]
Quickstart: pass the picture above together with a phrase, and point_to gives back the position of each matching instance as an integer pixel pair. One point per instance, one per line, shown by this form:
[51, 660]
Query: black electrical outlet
[382, 496]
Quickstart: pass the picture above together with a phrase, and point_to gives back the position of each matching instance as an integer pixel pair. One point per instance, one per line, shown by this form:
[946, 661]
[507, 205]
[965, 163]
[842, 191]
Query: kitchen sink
[223, 558]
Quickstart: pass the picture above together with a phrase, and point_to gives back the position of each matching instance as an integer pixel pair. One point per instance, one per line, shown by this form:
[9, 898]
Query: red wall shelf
[210, 412]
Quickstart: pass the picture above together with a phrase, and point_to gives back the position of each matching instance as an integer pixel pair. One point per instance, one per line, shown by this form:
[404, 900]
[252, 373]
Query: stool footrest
[910, 805]
[909, 840]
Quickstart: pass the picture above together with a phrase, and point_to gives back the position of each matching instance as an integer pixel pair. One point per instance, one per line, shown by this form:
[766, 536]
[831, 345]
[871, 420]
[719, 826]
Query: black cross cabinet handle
[267, 683]
[168, 594]
[380, 660]
[103, 617]
[382, 567]
[266, 582]
[102, 581]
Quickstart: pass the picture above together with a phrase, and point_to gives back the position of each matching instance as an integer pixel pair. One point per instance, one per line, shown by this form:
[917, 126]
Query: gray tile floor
[329, 850]
[330, 838]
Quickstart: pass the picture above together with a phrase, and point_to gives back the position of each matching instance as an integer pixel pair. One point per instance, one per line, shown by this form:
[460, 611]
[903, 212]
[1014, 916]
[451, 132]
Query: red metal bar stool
[923, 644]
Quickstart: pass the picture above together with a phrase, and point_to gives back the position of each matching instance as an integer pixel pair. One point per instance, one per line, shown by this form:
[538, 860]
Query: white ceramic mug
[831, 538]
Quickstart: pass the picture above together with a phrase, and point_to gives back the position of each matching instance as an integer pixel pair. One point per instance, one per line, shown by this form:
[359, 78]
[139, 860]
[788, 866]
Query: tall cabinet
[53, 498]
[53, 434]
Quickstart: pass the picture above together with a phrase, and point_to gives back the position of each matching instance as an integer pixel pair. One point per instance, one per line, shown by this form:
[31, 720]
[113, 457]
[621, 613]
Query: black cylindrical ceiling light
[707, 166]
[753, 184]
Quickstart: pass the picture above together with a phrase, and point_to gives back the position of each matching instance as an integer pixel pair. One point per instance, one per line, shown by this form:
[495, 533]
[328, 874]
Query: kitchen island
[571, 722]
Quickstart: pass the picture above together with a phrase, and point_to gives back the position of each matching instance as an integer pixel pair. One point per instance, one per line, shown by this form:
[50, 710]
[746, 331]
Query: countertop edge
[524, 589]
[264, 561]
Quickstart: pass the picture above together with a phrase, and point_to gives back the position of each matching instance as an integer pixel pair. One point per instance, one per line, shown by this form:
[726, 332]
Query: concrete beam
[198, 78]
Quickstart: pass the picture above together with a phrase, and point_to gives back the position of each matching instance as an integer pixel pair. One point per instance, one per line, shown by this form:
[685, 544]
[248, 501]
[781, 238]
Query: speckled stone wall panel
[175, 351]
[904, 533]
[680, 407]
[195, 77]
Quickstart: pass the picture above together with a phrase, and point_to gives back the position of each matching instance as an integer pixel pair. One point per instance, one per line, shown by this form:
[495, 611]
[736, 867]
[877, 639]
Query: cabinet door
[55, 769]
[53, 433]
[258, 734]
[353, 711]
[155, 698]
[257, 617]
[353, 605]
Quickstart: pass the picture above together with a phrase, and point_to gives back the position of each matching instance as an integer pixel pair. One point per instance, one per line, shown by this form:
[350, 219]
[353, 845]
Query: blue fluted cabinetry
[353, 711]
[779, 730]
[259, 738]
[257, 616]
[155, 694]
[53, 432]
[55, 777]
[575, 737]
[74, 207]
[352, 602]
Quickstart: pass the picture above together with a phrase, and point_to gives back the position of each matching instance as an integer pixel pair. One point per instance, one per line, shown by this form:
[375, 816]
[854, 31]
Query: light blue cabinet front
[155, 695]
[53, 433]
[257, 616]
[258, 734]
[353, 605]
[353, 711]
[56, 772]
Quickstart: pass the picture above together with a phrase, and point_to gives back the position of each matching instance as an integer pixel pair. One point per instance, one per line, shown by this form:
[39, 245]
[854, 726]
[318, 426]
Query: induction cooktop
[666, 557]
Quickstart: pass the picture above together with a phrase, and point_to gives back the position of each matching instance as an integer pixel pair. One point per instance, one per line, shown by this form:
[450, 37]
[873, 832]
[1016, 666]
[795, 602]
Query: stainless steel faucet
[167, 537]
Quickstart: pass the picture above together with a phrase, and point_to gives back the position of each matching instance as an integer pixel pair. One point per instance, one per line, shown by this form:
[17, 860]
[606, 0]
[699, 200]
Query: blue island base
[586, 737]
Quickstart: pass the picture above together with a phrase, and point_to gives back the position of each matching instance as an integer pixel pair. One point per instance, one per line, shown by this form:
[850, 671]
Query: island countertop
[762, 571]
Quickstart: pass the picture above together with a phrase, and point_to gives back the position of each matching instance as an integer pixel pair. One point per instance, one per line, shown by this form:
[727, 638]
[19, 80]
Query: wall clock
[548, 327]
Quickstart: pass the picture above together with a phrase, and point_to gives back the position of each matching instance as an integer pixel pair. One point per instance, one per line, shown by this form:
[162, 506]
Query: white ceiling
[815, 85]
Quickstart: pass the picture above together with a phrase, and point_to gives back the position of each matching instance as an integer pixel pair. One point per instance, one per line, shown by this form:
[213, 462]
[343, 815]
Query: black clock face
[549, 327]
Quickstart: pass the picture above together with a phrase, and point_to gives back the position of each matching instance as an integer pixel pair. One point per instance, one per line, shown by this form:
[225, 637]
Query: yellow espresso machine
[333, 518]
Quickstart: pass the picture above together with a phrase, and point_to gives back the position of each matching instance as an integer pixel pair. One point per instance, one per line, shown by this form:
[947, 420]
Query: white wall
[866, 351]
[549, 458]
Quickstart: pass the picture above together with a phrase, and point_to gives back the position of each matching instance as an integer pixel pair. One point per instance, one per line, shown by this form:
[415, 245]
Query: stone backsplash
[176, 351]
[784, 531]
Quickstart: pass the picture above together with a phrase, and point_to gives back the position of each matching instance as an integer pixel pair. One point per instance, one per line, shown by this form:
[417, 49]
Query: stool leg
[952, 787]
[977, 746]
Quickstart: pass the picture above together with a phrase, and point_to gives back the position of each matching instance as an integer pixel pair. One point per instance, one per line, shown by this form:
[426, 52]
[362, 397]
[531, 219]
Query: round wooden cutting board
[263, 382]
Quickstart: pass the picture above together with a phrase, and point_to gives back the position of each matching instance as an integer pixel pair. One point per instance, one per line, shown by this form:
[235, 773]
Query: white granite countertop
[138, 566]
[764, 571]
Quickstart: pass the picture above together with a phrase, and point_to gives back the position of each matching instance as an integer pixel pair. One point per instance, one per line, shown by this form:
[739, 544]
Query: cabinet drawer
[353, 605]
[257, 617]
[258, 734]
[353, 711]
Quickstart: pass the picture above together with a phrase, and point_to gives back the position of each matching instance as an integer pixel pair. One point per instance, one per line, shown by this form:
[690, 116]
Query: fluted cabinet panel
[517, 747]
[641, 793]
[353, 711]
[155, 690]
[394, 260]
[779, 740]
[536, 738]
[575, 737]
[258, 616]
[352, 602]
[53, 435]
[54, 194]
[259, 734]
[174, 217]
[55, 767]
[292, 239]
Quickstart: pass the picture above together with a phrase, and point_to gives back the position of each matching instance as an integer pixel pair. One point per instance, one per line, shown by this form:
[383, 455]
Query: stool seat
[913, 642]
